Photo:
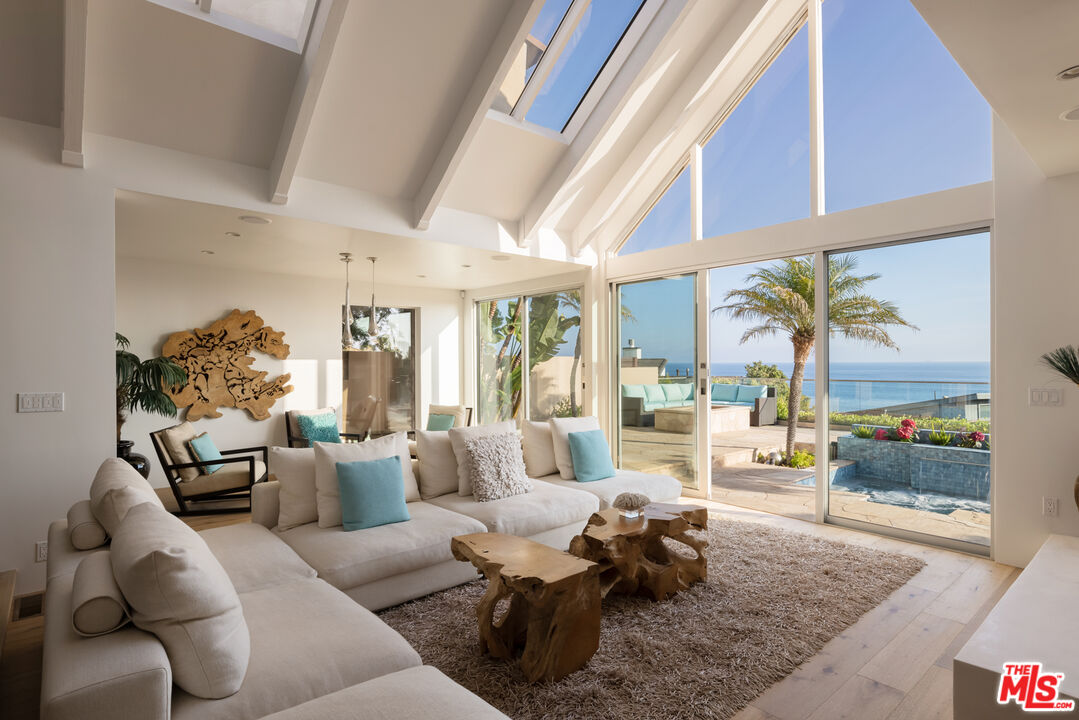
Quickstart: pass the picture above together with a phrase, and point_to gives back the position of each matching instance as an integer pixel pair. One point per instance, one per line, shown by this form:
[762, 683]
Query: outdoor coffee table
[554, 603]
[632, 556]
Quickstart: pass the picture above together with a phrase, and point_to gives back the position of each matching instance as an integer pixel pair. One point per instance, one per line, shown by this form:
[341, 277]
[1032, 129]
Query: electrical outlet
[1049, 506]
[41, 551]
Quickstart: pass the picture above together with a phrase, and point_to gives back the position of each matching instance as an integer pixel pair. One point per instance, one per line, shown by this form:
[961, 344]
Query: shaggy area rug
[772, 600]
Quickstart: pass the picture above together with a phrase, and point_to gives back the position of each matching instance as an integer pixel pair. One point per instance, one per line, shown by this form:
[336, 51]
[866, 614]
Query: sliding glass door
[657, 399]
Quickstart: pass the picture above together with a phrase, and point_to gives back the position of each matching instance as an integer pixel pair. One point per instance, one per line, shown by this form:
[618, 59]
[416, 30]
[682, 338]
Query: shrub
[862, 431]
[956, 424]
[800, 459]
[882, 434]
[973, 439]
[939, 436]
[907, 431]
[757, 369]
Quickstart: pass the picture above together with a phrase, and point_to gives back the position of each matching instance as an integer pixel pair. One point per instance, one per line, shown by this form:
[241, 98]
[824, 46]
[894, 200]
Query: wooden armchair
[202, 494]
[362, 423]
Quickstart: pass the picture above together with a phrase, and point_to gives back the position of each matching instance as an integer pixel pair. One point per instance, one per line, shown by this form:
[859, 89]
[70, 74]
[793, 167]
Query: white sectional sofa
[316, 649]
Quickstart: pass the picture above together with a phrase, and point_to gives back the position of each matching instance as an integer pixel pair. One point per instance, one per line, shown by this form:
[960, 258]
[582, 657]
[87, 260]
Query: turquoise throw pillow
[591, 455]
[440, 422]
[372, 493]
[203, 448]
[319, 428]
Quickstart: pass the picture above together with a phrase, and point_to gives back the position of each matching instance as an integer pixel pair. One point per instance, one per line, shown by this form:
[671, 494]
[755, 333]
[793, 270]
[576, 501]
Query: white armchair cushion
[327, 455]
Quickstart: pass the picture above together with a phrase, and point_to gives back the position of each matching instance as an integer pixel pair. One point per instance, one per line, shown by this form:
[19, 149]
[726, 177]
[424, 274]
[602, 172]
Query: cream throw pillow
[560, 430]
[438, 464]
[117, 488]
[458, 438]
[83, 529]
[176, 439]
[179, 592]
[498, 470]
[538, 446]
[97, 605]
[327, 455]
[294, 469]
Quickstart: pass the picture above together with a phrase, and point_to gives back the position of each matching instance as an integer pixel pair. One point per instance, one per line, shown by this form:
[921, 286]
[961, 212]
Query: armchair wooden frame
[183, 502]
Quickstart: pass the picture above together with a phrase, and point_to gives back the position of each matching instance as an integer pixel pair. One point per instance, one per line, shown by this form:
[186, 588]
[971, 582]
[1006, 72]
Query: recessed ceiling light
[255, 219]
[466, 266]
[207, 252]
[1069, 73]
[1072, 114]
[232, 234]
[501, 258]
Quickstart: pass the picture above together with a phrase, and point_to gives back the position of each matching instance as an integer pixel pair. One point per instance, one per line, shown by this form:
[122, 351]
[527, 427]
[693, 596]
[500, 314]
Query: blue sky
[901, 119]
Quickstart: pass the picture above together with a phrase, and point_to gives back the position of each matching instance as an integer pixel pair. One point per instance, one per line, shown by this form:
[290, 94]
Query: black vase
[134, 459]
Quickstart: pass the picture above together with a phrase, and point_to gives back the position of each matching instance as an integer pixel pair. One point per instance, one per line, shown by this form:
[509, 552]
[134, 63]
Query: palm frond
[1064, 360]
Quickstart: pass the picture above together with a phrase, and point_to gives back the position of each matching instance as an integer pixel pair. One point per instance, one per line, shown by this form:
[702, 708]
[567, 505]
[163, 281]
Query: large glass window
[534, 337]
[900, 117]
[532, 50]
[755, 168]
[382, 365]
[667, 223]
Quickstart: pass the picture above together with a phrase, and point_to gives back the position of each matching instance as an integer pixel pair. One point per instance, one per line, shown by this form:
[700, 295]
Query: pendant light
[372, 328]
[346, 314]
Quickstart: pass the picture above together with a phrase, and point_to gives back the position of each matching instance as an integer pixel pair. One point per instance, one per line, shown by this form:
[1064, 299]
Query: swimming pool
[889, 493]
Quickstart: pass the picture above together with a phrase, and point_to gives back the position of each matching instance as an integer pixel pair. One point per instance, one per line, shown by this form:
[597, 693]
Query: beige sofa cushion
[176, 441]
[560, 430]
[179, 592]
[327, 455]
[307, 640]
[348, 559]
[658, 488]
[84, 531]
[458, 438]
[117, 488]
[255, 558]
[97, 605]
[294, 468]
[438, 464]
[421, 692]
[544, 508]
[538, 446]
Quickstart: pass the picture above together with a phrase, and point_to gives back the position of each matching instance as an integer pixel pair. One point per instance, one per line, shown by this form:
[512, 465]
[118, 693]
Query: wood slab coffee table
[554, 603]
[632, 556]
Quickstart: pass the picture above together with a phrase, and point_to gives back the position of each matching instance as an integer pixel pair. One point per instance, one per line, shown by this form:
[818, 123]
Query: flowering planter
[956, 471]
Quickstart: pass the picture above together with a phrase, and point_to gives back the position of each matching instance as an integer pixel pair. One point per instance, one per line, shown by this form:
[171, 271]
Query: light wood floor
[893, 664]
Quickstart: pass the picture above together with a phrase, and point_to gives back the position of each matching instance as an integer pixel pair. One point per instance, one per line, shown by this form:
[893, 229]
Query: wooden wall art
[218, 364]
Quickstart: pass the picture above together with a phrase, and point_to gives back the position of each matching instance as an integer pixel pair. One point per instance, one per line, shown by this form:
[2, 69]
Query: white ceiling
[1012, 52]
[152, 227]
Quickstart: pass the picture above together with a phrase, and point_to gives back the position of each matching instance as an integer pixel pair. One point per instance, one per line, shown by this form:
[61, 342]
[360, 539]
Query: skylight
[564, 56]
[279, 22]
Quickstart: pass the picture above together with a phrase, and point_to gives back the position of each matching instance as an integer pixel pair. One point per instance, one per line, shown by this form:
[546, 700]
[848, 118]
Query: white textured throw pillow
[176, 441]
[179, 592]
[538, 447]
[438, 464]
[327, 455]
[560, 430]
[118, 487]
[498, 468]
[458, 438]
[97, 605]
[294, 469]
[83, 529]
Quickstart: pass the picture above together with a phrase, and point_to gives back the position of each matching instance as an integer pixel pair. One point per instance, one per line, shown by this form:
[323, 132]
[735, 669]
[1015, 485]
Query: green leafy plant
[566, 408]
[939, 436]
[1064, 360]
[800, 459]
[862, 431]
[757, 369]
[141, 384]
[850, 419]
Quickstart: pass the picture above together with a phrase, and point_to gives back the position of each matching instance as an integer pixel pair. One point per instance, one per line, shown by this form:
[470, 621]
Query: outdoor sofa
[640, 402]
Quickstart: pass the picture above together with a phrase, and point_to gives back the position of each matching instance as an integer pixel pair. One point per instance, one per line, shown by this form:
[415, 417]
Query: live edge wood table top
[554, 607]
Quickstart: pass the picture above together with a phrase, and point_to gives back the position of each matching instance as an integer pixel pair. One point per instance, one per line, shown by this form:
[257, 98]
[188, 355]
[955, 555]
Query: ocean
[864, 386]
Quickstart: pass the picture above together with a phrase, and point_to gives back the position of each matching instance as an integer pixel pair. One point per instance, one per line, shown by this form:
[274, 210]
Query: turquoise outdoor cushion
[722, 392]
[677, 391]
[591, 456]
[749, 393]
[652, 406]
[654, 393]
[203, 448]
[372, 493]
[319, 428]
[633, 391]
[440, 422]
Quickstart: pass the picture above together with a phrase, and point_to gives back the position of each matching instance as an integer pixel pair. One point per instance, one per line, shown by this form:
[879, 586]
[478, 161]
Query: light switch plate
[1045, 397]
[40, 402]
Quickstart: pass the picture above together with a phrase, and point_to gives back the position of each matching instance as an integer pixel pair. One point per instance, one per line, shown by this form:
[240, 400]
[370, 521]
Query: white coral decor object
[631, 505]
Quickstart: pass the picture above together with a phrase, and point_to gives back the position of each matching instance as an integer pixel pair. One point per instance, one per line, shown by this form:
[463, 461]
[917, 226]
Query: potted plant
[1065, 361]
[140, 386]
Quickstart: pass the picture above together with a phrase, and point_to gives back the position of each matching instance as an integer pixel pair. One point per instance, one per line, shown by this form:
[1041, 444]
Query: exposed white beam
[74, 82]
[496, 65]
[325, 28]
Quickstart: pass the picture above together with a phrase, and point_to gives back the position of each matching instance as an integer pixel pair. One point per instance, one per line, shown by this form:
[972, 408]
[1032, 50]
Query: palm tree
[780, 299]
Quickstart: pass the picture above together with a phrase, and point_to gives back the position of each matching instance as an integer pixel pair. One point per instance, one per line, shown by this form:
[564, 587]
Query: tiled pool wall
[963, 472]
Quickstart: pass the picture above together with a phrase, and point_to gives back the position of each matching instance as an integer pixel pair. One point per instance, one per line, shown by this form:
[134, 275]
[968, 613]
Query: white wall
[155, 299]
[1035, 309]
